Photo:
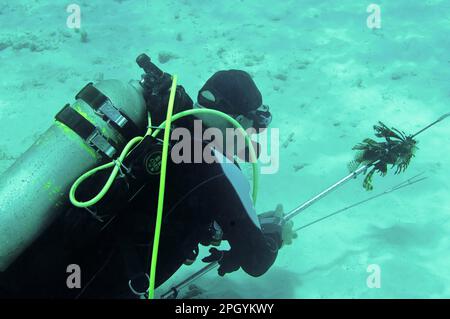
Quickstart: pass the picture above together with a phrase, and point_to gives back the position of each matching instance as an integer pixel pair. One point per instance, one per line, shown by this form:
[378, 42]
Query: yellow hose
[162, 188]
[117, 163]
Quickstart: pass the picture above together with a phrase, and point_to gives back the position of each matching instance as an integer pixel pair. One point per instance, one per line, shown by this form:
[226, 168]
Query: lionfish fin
[367, 183]
[353, 166]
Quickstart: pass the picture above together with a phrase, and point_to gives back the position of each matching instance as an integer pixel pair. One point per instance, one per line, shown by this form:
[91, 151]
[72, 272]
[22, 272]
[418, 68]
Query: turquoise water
[328, 78]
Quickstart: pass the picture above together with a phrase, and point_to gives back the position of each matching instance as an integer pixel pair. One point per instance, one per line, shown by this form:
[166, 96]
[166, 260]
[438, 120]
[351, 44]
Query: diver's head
[235, 93]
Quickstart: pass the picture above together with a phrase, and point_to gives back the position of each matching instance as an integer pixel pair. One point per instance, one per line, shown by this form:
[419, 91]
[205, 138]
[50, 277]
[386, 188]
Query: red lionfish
[397, 150]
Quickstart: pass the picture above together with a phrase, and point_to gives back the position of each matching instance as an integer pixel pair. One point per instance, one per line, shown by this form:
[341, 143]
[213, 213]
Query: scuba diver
[206, 202]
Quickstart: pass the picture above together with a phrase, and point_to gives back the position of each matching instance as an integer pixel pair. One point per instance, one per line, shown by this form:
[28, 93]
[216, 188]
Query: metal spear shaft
[325, 192]
[173, 292]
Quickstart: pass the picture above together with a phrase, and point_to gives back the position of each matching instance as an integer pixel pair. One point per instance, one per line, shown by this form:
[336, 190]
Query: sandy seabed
[327, 77]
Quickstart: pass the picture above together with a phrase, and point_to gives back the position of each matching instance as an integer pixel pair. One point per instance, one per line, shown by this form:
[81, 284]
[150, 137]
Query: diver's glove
[276, 227]
[227, 263]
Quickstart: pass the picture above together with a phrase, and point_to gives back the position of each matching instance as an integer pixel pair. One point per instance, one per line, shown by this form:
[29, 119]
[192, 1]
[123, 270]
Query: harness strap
[103, 106]
[86, 130]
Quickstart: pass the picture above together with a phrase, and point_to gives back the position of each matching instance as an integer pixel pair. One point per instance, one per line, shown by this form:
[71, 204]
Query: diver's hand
[226, 261]
[274, 220]
[288, 233]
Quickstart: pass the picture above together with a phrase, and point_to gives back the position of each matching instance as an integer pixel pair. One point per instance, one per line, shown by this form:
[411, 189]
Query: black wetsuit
[109, 253]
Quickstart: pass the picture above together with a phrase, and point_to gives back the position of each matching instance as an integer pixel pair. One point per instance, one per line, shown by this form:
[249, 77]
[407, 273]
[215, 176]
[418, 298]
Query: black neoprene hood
[232, 92]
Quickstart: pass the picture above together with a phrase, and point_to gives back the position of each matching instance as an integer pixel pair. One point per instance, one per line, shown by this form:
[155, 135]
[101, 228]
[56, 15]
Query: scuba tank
[95, 128]
[34, 189]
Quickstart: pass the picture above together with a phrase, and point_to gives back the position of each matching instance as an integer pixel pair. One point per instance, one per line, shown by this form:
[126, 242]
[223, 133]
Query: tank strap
[87, 131]
[103, 106]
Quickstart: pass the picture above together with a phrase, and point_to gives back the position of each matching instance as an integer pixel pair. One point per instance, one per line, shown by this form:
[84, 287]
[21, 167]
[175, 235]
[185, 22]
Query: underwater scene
[345, 103]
